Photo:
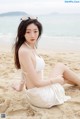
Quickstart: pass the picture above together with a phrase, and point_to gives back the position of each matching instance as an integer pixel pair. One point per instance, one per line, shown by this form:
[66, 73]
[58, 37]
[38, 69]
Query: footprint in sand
[4, 104]
[4, 89]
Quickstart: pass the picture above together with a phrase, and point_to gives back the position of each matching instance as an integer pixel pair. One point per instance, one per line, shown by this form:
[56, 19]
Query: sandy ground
[14, 104]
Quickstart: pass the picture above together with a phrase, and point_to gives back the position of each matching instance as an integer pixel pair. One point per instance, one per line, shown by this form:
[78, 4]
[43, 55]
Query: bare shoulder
[23, 51]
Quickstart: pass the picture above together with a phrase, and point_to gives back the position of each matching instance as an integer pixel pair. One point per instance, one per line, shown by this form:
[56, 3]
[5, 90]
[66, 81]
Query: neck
[30, 46]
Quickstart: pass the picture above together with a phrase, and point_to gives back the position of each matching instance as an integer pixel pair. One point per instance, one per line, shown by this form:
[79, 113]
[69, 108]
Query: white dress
[46, 96]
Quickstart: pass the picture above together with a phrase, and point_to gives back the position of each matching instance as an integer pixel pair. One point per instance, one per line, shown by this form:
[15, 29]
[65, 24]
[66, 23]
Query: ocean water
[53, 25]
[57, 29]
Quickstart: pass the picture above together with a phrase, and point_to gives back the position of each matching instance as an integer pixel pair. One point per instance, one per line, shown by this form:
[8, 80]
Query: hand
[58, 79]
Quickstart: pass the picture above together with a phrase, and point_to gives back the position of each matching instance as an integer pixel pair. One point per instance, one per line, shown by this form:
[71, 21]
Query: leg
[68, 75]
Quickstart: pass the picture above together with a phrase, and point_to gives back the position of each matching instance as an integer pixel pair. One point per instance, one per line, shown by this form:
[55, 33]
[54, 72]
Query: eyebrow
[30, 29]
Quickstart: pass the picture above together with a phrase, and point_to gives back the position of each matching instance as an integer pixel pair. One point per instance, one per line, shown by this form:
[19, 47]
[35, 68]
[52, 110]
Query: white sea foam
[45, 42]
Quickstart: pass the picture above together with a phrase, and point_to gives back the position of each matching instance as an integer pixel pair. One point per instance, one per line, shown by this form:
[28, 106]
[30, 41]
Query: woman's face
[32, 33]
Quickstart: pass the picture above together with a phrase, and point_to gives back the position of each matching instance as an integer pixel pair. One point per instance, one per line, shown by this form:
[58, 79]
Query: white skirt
[47, 96]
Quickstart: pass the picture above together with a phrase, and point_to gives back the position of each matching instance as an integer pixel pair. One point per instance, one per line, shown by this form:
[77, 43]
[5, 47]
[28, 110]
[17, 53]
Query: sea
[60, 31]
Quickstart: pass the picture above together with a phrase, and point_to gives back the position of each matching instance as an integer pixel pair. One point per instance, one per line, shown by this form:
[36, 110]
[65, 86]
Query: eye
[27, 31]
[35, 31]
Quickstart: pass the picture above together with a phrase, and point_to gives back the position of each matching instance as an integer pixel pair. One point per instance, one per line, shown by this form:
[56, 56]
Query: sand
[15, 105]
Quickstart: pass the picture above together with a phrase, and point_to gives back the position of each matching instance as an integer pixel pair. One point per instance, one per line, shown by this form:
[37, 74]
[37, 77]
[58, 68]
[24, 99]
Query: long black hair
[20, 39]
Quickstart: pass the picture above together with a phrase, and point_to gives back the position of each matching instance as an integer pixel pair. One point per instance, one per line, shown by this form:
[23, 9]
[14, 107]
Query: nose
[32, 34]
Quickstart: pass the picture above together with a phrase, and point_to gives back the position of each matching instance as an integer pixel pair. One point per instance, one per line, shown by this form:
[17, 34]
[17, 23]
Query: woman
[39, 92]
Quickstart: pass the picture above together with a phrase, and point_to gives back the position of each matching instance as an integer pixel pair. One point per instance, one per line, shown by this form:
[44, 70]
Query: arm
[57, 79]
[26, 62]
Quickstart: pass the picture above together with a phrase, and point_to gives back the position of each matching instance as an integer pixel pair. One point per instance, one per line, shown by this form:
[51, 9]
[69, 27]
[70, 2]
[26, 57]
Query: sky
[39, 6]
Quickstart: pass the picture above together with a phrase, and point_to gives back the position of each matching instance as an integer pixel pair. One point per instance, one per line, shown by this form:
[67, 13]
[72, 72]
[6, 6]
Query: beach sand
[14, 104]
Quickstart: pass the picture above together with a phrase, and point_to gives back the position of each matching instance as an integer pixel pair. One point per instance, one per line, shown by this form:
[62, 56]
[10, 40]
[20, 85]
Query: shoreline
[54, 44]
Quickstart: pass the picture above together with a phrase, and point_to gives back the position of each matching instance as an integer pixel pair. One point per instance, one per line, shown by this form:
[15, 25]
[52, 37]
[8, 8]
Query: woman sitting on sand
[39, 92]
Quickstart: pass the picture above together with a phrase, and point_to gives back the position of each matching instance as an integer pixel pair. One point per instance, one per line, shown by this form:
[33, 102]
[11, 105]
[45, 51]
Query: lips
[32, 39]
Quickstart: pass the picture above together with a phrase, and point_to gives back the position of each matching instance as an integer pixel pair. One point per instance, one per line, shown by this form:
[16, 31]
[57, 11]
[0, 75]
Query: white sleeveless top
[40, 64]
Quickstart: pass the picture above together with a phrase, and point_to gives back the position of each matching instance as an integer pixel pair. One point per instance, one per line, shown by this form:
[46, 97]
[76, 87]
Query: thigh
[58, 72]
